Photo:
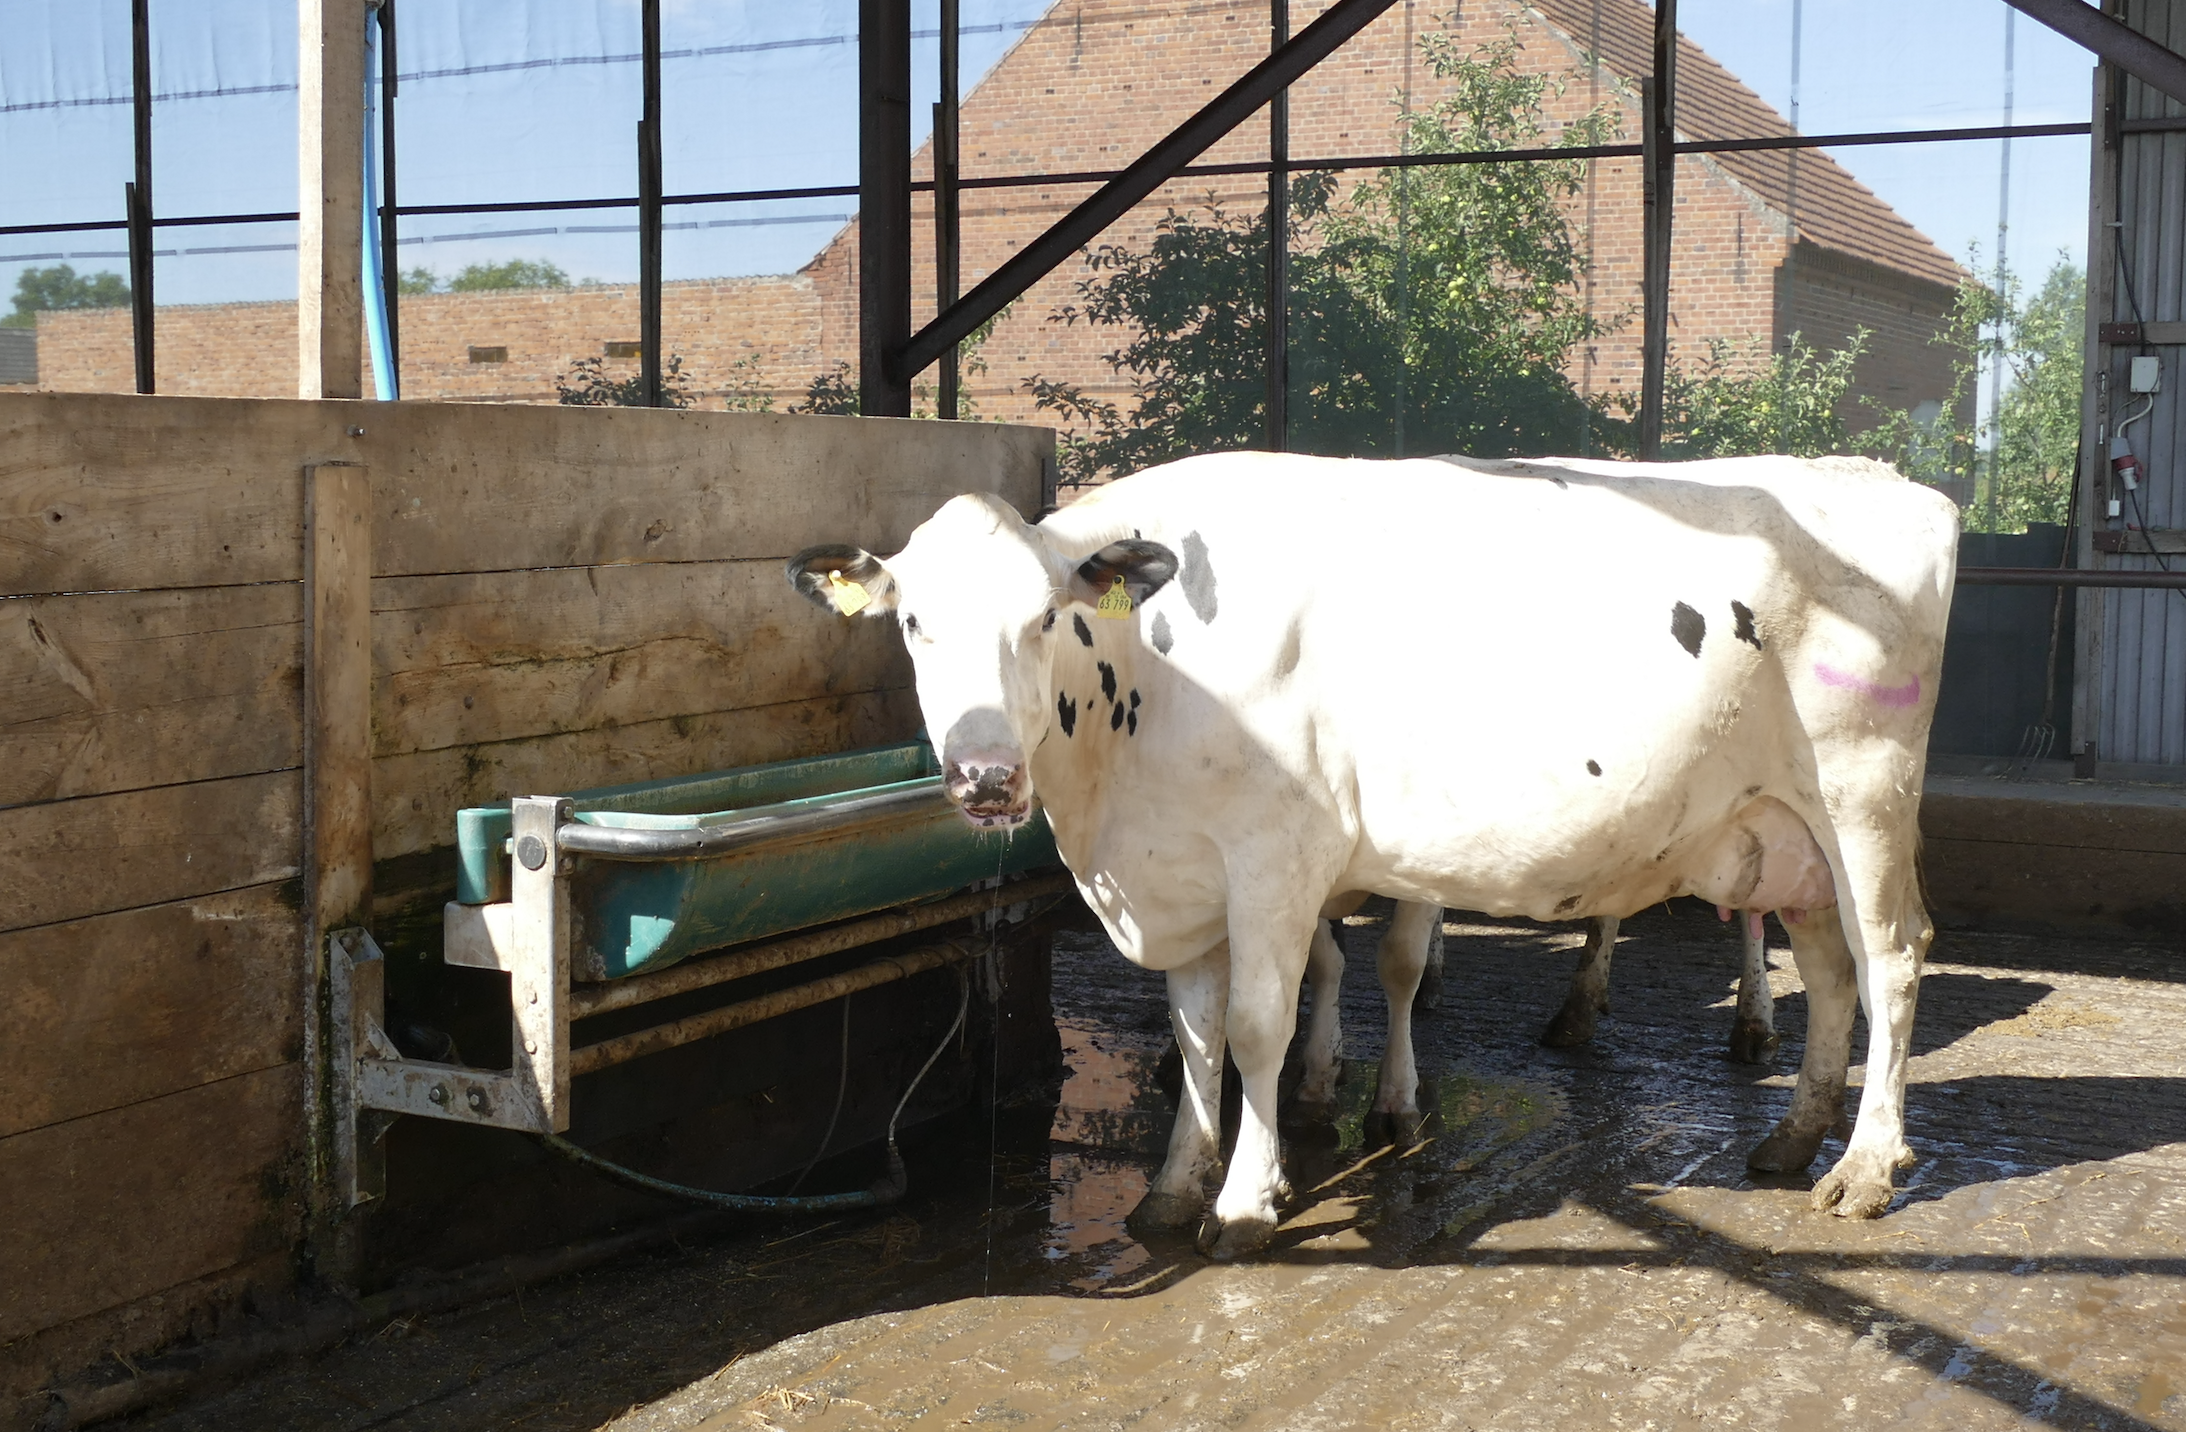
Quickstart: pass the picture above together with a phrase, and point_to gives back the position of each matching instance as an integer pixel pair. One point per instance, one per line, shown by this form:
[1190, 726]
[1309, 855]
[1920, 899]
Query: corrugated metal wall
[2142, 680]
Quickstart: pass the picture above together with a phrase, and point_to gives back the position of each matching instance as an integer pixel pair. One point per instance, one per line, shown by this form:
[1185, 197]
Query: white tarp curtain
[499, 100]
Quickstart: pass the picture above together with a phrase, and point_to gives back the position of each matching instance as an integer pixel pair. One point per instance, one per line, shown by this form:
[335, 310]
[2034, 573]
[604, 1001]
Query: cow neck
[1094, 703]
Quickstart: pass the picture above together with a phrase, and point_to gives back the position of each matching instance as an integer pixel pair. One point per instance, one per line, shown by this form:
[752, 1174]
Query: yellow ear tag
[849, 597]
[1115, 603]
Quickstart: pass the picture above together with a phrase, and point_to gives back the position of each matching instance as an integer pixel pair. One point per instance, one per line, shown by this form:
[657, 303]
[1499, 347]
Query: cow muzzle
[991, 788]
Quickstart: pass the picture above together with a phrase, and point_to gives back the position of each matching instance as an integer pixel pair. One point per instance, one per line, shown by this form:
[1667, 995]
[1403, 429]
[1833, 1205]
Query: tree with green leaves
[587, 384]
[1432, 310]
[2023, 458]
[486, 278]
[1740, 401]
[42, 290]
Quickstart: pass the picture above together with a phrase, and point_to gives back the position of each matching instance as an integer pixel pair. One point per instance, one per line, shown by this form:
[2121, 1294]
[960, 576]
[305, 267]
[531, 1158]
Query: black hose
[889, 1190]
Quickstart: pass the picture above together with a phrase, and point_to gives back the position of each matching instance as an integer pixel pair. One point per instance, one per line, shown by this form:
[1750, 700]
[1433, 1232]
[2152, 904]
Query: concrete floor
[1578, 1246]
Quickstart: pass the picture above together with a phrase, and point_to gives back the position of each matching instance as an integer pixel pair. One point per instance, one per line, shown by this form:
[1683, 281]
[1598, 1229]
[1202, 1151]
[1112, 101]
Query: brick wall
[1091, 87]
[249, 349]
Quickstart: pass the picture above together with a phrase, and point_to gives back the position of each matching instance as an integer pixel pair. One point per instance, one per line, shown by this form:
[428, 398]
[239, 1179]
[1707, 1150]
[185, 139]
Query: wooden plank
[417, 795]
[338, 696]
[123, 1204]
[116, 1009]
[106, 491]
[478, 487]
[102, 491]
[123, 690]
[65, 860]
[506, 655]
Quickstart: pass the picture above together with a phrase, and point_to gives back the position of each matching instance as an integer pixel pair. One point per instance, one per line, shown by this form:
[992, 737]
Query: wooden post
[330, 198]
[337, 863]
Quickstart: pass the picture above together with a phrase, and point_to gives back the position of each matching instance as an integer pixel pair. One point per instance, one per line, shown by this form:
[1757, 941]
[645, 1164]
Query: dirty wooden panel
[68, 859]
[338, 696]
[121, 690]
[102, 491]
[470, 487]
[135, 1200]
[503, 655]
[417, 795]
[99, 1013]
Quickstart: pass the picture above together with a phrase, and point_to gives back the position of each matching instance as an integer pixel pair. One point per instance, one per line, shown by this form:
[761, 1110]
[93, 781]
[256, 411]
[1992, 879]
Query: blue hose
[376, 297]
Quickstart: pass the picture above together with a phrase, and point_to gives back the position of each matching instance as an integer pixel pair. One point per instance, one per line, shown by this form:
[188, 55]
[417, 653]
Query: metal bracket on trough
[373, 1081]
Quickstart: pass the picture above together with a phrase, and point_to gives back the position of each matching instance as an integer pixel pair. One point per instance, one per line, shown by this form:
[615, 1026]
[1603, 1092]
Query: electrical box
[2146, 374]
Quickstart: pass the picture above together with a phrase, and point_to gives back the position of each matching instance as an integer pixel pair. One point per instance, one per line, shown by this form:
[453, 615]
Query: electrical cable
[890, 1189]
[2117, 434]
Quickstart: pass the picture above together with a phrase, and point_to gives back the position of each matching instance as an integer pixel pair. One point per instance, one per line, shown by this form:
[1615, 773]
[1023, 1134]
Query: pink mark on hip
[1904, 695]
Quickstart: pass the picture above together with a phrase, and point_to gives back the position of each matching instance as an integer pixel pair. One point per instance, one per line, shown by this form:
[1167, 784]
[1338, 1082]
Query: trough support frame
[373, 1081]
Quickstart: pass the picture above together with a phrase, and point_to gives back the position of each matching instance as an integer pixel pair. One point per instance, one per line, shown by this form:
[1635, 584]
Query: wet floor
[1576, 1242]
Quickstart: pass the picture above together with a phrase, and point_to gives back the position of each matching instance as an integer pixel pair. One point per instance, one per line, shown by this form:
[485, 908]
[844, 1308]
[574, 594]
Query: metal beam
[1658, 108]
[1262, 83]
[884, 208]
[948, 213]
[138, 195]
[649, 223]
[1277, 301]
[2115, 43]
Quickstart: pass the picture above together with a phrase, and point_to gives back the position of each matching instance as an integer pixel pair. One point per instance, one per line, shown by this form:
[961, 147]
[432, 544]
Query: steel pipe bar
[649, 339]
[948, 212]
[2067, 577]
[884, 208]
[587, 1000]
[1189, 171]
[1275, 359]
[137, 196]
[621, 1050]
[1143, 176]
[2114, 43]
[610, 842]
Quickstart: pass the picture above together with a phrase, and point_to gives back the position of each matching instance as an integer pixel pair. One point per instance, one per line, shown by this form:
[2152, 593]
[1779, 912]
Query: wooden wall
[559, 598]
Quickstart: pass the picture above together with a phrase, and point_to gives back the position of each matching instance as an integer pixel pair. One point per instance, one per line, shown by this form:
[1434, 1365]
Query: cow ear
[847, 580]
[1145, 568]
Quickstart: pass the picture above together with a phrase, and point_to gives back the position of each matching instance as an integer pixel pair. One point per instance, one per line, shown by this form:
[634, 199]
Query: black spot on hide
[1134, 698]
[1197, 579]
[1689, 627]
[1163, 640]
[1132, 722]
[1569, 902]
[1108, 680]
[1752, 791]
[1066, 711]
[1593, 768]
[1742, 625]
[1085, 633]
[1115, 716]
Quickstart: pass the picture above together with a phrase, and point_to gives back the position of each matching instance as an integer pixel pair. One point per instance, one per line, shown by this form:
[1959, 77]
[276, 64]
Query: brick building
[1767, 243]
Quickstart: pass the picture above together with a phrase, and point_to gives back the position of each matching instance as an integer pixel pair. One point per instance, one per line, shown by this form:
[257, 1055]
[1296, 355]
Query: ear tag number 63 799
[1115, 603]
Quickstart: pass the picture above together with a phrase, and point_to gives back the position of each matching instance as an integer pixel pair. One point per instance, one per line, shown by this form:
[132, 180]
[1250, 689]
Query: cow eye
[1049, 624]
[910, 624]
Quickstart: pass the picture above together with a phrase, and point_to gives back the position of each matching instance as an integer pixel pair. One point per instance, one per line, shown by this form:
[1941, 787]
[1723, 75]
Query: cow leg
[1894, 935]
[1430, 979]
[1817, 1103]
[1316, 1097]
[1402, 959]
[1574, 1023]
[1198, 995]
[1268, 945]
[1753, 1033]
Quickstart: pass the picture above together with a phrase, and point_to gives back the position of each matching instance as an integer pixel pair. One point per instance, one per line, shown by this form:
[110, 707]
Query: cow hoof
[1854, 1189]
[1753, 1042]
[1785, 1150]
[1394, 1128]
[1228, 1240]
[1164, 1211]
[1572, 1027]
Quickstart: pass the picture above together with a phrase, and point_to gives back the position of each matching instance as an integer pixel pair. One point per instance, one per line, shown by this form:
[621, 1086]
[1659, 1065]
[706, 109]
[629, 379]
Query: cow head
[978, 593]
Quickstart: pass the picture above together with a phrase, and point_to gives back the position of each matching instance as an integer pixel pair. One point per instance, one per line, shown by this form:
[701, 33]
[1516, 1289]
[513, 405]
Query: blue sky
[548, 110]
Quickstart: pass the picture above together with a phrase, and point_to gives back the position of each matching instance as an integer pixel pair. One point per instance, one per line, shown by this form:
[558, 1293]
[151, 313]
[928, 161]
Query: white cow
[1262, 732]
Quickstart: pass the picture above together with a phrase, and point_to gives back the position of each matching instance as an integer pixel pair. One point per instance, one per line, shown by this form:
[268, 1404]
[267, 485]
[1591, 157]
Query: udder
[1765, 859]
